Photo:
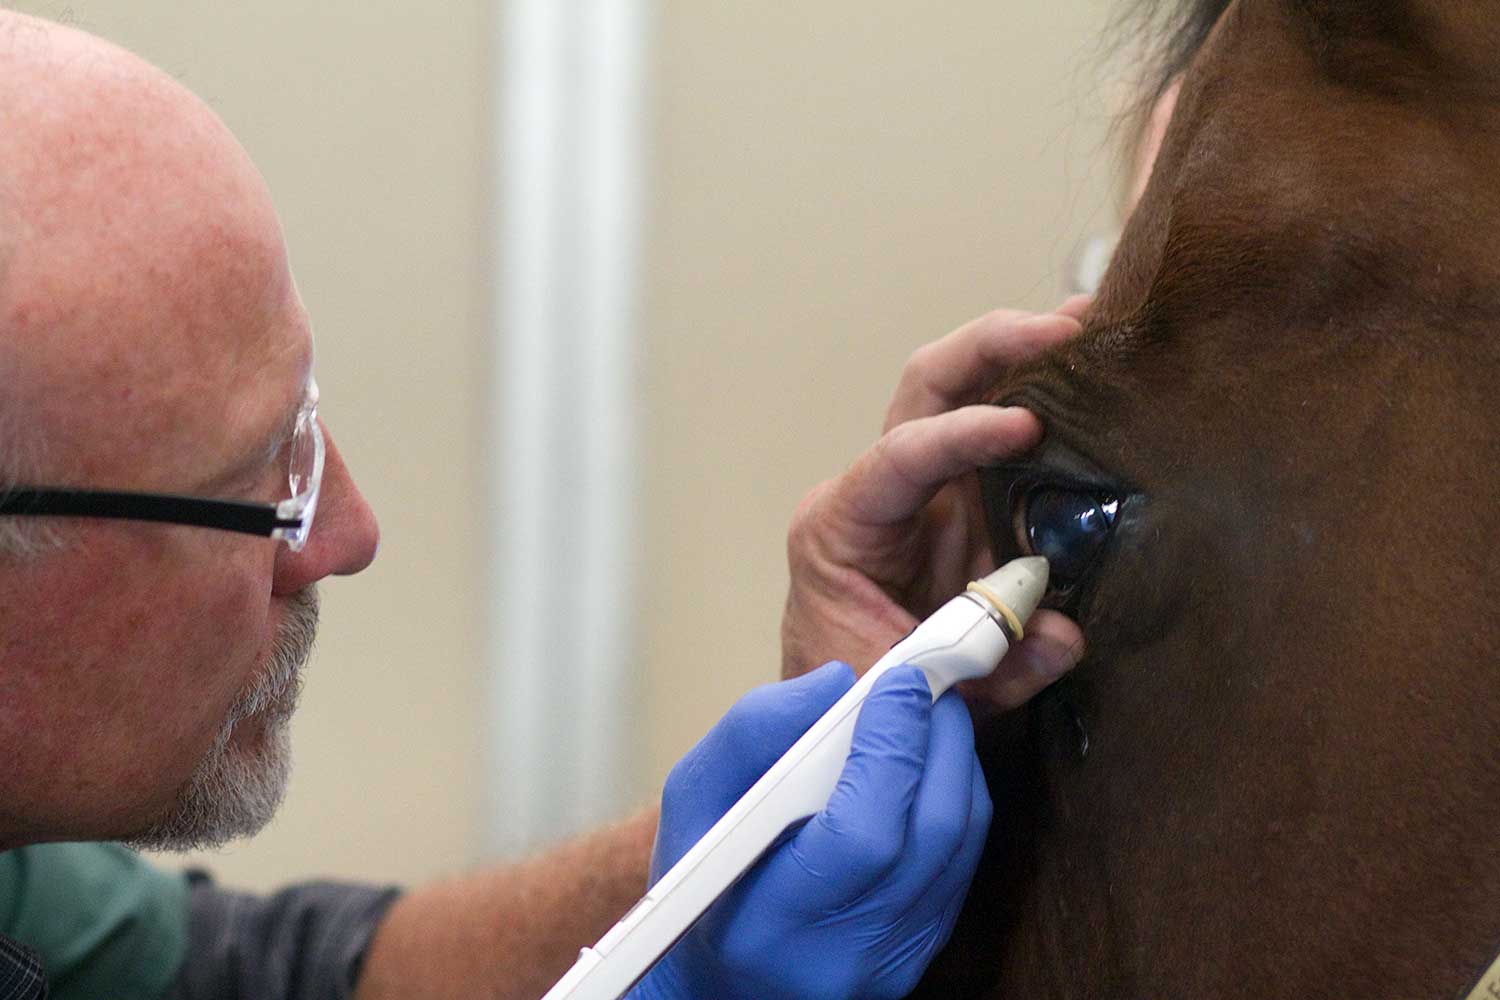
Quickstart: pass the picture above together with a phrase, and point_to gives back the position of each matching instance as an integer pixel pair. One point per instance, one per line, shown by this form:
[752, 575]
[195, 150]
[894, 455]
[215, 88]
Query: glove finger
[758, 729]
[847, 848]
[741, 746]
[927, 923]
[945, 897]
[943, 807]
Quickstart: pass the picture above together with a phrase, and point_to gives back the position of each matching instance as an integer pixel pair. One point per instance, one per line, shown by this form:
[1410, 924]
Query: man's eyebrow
[260, 455]
[280, 434]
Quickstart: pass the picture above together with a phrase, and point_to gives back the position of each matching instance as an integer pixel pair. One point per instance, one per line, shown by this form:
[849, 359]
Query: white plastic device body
[963, 639]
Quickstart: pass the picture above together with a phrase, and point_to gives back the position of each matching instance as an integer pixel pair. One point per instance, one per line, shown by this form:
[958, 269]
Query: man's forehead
[122, 185]
[147, 293]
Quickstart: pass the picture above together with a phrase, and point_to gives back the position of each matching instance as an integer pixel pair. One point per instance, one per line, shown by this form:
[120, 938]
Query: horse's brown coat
[1292, 698]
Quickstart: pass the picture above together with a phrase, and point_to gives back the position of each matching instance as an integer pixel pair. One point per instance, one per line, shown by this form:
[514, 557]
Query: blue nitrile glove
[858, 901]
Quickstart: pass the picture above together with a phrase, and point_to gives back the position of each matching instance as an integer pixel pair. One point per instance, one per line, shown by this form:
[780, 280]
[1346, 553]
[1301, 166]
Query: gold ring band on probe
[1005, 612]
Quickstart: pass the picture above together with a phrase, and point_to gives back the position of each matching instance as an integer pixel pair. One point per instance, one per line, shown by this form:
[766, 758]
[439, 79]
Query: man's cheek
[172, 650]
[217, 643]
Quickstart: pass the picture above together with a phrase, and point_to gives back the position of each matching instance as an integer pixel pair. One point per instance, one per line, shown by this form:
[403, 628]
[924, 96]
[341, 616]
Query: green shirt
[107, 925]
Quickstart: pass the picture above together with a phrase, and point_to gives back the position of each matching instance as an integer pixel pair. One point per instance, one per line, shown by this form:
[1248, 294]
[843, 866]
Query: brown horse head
[1278, 773]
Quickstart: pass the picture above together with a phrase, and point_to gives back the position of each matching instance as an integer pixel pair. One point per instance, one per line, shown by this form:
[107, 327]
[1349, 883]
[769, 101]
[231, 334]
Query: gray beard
[234, 791]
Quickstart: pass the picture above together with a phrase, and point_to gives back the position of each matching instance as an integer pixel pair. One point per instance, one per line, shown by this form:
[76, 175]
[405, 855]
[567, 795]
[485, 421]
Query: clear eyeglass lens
[304, 470]
[300, 468]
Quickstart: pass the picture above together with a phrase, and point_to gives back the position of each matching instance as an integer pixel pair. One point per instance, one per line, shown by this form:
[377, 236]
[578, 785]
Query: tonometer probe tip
[1014, 591]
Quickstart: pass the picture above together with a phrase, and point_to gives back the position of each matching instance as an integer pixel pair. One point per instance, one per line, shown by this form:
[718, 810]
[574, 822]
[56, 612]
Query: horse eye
[1067, 527]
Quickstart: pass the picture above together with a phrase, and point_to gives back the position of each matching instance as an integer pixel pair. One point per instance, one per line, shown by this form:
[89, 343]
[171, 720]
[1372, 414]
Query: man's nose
[344, 533]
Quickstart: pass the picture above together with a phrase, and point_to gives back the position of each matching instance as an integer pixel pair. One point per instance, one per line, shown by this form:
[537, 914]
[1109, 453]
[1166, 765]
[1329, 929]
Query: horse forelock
[1450, 35]
[1292, 783]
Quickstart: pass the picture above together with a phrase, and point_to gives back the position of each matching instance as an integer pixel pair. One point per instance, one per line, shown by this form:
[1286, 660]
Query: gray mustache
[295, 639]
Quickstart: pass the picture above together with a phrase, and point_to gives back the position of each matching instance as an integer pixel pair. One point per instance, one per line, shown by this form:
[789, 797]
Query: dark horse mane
[1172, 32]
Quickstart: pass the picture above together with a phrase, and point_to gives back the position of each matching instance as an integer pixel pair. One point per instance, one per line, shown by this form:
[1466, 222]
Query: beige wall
[832, 183]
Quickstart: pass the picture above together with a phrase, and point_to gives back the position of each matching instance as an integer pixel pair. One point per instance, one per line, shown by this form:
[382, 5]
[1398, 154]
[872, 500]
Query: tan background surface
[835, 183]
[831, 184]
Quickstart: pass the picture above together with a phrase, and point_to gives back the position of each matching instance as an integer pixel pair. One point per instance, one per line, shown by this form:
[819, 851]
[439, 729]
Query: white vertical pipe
[569, 151]
[613, 126]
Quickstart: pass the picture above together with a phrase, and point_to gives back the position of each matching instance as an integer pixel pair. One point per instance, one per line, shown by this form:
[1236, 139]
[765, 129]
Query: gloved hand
[861, 898]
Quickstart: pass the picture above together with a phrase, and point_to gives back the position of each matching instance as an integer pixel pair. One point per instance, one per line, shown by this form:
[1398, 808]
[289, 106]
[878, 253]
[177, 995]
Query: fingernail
[1047, 320]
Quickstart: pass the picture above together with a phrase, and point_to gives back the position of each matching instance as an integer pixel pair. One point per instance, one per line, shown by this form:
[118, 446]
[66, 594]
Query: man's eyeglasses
[290, 520]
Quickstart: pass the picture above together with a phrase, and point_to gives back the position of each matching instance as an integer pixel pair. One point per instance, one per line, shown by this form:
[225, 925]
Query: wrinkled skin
[1292, 779]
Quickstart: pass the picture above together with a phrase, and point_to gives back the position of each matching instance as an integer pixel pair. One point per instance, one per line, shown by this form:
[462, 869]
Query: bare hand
[902, 530]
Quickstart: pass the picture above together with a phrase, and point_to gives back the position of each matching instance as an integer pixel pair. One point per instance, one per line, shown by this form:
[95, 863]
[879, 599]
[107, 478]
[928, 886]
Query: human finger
[1052, 646]
[954, 370]
[1075, 306]
[905, 468]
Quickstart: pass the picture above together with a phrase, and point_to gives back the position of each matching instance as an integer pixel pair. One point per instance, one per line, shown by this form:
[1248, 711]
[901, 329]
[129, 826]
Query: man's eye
[1068, 527]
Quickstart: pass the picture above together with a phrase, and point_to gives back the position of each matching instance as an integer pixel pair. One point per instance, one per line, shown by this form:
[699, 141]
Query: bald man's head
[140, 236]
[151, 341]
[120, 192]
